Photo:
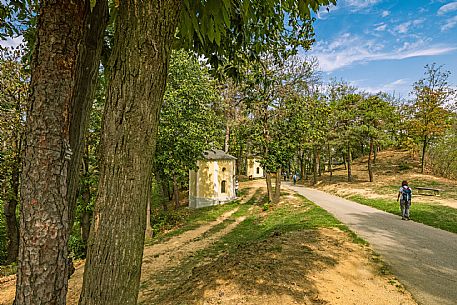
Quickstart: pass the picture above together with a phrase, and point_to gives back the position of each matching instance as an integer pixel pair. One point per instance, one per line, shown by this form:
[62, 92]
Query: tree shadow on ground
[263, 272]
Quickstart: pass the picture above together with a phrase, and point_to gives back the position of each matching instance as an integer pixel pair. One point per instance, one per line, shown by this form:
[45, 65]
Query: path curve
[423, 258]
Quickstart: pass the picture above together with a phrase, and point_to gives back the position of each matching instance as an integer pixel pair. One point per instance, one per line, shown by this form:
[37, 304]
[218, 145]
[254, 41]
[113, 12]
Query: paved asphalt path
[423, 258]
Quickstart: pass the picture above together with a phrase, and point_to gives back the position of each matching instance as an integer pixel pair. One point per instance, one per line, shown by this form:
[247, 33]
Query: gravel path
[423, 258]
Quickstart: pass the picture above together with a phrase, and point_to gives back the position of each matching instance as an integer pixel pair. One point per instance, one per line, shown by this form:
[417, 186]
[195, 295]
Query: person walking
[294, 177]
[404, 195]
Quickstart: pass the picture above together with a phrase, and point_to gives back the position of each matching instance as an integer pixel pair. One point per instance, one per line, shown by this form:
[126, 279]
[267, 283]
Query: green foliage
[14, 82]
[188, 120]
[431, 94]
[76, 246]
[430, 118]
[275, 106]
[14, 85]
[242, 28]
[443, 154]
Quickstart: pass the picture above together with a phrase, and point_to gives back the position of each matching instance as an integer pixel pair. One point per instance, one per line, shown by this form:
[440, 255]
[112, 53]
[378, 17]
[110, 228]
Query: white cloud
[399, 86]
[381, 27]
[350, 49]
[357, 5]
[449, 24]
[404, 27]
[450, 7]
[385, 14]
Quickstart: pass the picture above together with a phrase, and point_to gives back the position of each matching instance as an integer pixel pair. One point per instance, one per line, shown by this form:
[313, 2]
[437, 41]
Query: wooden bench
[436, 192]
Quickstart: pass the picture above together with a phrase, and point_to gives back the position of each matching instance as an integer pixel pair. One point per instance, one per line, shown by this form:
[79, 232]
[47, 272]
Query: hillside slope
[391, 167]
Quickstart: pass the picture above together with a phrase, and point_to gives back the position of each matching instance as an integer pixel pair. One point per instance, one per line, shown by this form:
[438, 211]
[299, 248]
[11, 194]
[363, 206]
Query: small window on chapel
[223, 169]
[223, 183]
[258, 170]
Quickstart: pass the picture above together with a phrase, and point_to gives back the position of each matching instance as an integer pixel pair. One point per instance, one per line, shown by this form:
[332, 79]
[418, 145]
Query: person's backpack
[406, 194]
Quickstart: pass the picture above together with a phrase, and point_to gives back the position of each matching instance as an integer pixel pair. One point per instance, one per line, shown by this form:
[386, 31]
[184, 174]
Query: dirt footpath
[320, 266]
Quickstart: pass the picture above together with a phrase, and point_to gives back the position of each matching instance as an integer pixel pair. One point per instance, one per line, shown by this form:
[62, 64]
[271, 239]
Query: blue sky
[383, 45]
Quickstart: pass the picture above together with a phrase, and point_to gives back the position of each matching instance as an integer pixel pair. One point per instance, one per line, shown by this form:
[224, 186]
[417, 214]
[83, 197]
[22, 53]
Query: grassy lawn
[437, 216]
[175, 222]
[260, 224]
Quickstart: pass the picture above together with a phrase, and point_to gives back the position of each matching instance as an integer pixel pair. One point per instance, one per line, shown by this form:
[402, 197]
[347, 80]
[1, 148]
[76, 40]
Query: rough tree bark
[138, 69]
[44, 224]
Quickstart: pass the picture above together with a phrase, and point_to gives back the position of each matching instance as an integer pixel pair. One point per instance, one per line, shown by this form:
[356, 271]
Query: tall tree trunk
[148, 231]
[315, 160]
[277, 186]
[269, 187]
[349, 157]
[86, 196]
[227, 138]
[330, 161]
[424, 149]
[88, 66]
[44, 224]
[138, 69]
[306, 168]
[176, 191]
[239, 161]
[302, 168]
[318, 159]
[370, 170]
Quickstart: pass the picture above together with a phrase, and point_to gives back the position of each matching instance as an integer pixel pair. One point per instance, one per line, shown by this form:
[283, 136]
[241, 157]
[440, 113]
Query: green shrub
[166, 220]
[77, 247]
